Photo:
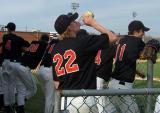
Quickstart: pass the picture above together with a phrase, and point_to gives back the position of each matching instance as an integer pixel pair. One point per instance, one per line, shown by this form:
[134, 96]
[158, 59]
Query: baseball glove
[150, 50]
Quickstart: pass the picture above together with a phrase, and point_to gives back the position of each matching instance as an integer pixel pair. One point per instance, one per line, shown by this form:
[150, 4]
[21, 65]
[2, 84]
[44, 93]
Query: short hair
[44, 37]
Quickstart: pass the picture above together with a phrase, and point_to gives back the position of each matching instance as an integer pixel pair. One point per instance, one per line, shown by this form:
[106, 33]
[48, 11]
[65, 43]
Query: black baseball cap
[137, 25]
[63, 21]
[11, 26]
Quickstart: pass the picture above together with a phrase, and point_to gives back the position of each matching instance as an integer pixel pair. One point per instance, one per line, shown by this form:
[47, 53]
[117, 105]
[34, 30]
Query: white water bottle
[87, 13]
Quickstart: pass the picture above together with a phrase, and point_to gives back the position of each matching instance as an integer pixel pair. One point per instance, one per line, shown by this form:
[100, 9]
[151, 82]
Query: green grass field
[36, 103]
[142, 67]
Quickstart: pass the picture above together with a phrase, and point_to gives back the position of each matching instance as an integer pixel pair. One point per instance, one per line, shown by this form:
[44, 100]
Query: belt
[122, 82]
[113, 80]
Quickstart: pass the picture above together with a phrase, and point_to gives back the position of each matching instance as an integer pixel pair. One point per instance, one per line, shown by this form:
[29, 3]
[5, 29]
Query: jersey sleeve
[141, 45]
[26, 43]
[23, 42]
[96, 42]
[135, 49]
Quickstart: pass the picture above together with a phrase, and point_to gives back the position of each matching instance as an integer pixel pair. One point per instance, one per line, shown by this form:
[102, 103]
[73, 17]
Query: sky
[115, 15]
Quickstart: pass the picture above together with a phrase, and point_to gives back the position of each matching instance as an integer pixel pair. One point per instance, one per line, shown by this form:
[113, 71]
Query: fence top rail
[109, 92]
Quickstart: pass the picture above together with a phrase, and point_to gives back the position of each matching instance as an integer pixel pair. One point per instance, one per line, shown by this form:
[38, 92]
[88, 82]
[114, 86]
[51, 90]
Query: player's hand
[88, 20]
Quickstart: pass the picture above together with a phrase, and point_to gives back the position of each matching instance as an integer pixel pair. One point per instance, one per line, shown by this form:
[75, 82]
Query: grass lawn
[142, 67]
[36, 103]
[143, 84]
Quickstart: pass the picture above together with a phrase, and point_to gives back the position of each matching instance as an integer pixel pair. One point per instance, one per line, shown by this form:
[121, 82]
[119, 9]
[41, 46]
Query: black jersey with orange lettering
[47, 59]
[13, 46]
[73, 61]
[127, 53]
[1, 57]
[104, 61]
[33, 56]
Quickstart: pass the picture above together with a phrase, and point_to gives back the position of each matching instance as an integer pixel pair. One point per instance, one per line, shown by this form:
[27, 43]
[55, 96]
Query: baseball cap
[63, 21]
[137, 25]
[11, 26]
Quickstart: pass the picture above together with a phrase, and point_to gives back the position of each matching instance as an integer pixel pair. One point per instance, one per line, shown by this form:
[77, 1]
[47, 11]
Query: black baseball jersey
[13, 46]
[104, 61]
[81, 33]
[127, 53]
[33, 56]
[47, 59]
[73, 61]
[1, 57]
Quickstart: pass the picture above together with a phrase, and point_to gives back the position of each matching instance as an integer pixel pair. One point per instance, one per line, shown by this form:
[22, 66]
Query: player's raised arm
[88, 20]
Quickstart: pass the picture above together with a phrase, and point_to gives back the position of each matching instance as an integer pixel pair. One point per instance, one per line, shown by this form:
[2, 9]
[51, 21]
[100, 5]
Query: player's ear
[69, 27]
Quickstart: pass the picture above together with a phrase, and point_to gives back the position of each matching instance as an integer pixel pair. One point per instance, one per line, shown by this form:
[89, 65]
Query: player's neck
[10, 32]
[72, 34]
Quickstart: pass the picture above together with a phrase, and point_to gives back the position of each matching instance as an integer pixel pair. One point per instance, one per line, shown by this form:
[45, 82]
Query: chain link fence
[141, 100]
[114, 101]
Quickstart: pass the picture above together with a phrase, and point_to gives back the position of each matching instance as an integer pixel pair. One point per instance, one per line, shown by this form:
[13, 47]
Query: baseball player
[12, 48]
[29, 60]
[46, 79]
[104, 61]
[123, 75]
[73, 59]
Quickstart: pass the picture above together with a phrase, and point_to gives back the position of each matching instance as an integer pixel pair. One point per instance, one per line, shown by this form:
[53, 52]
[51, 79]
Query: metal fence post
[149, 84]
[57, 106]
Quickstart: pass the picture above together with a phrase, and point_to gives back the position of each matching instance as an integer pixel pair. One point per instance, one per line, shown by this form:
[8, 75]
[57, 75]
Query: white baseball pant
[8, 82]
[101, 99]
[25, 76]
[157, 105]
[21, 92]
[125, 104]
[80, 104]
[46, 80]
[17, 85]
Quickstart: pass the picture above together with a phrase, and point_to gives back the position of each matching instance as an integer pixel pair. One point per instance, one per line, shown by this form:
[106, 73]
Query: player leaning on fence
[73, 58]
[123, 75]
